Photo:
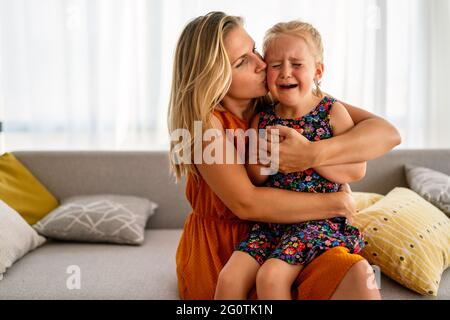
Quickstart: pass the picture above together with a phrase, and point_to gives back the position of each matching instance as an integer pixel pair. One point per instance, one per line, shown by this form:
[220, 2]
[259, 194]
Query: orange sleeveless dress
[211, 233]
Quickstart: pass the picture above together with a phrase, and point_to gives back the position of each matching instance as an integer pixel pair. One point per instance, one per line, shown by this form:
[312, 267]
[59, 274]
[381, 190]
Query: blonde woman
[217, 76]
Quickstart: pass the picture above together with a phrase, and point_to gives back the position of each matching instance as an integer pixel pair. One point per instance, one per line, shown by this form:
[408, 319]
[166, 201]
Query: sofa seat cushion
[391, 290]
[108, 271]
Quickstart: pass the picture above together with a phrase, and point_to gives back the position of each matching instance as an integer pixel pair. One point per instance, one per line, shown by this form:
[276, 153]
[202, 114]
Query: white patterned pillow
[17, 238]
[98, 218]
[431, 185]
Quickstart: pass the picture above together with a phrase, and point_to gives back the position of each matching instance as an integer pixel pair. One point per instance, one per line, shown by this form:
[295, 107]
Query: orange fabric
[212, 231]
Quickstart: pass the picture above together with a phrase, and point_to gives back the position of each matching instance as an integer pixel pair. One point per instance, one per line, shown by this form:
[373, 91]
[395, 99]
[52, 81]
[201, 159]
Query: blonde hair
[201, 77]
[302, 30]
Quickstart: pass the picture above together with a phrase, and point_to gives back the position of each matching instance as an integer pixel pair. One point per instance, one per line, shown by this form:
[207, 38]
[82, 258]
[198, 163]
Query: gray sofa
[148, 272]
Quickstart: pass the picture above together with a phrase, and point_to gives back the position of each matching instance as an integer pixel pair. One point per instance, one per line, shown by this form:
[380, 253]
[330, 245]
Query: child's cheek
[271, 78]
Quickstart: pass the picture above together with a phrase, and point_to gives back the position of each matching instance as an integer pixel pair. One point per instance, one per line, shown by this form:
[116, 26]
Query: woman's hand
[348, 203]
[295, 152]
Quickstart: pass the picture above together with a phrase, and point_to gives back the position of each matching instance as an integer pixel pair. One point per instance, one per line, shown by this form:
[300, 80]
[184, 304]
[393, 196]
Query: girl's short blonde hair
[302, 30]
[201, 77]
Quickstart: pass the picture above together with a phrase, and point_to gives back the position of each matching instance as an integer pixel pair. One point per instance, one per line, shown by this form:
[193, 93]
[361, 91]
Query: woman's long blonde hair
[201, 78]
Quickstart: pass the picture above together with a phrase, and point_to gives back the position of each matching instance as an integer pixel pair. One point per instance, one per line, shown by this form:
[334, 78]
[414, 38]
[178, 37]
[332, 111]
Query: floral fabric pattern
[301, 243]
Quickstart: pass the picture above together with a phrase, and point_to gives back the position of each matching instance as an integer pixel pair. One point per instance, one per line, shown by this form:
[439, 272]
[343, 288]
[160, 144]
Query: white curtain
[80, 73]
[95, 74]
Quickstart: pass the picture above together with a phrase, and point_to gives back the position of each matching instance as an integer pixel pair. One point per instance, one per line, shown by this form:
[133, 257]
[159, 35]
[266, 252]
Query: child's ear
[319, 71]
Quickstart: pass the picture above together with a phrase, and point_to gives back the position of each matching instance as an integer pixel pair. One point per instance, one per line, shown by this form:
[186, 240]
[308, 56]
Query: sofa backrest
[143, 174]
[387, 172]
[146, 174]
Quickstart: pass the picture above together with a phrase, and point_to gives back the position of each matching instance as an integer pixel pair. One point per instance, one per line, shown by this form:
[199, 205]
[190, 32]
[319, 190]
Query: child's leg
[237, 277]
[275, 278]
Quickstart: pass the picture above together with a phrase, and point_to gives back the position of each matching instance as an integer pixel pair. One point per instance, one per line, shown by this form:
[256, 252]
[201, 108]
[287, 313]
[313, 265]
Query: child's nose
[285, 72]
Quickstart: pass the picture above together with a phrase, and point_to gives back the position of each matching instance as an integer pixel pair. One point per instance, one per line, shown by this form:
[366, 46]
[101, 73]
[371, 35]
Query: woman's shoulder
[228, 120]
[217, 119]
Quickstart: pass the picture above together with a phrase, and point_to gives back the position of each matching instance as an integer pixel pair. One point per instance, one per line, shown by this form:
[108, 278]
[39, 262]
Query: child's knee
[269, 276]
[278, 274]
[227, 278]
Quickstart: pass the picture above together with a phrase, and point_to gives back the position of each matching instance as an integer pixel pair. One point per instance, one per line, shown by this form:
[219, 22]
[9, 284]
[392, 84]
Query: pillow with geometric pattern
[433, 186]
[407, 238]
[98, 218]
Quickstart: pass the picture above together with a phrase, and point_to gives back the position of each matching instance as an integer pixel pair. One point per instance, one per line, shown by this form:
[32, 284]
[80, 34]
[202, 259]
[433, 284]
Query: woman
[217, 76]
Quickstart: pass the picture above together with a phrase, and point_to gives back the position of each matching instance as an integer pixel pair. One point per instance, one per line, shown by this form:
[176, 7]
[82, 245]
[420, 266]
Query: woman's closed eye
[242, 62]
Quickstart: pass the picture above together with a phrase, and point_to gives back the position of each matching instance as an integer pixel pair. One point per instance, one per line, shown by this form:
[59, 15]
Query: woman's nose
[260, 64]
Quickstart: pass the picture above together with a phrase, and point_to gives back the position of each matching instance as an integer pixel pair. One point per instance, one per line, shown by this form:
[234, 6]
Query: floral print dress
[300, 243]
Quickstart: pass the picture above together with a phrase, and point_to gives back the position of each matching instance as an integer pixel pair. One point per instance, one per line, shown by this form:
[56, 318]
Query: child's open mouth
[288, 86]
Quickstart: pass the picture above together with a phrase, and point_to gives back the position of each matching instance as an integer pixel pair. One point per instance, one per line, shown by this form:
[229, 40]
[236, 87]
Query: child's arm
[254, 170]
[342, 173]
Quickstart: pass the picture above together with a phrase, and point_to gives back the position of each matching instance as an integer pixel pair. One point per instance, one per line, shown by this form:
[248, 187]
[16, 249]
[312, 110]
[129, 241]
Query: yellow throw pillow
[408, 238]
[20, 190]
[365, 199]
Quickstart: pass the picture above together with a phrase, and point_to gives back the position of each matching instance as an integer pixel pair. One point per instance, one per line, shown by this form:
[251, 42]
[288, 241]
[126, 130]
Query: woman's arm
[254, 169]
[232, 185]
[341, 122]
[370, 138]
[343, 173]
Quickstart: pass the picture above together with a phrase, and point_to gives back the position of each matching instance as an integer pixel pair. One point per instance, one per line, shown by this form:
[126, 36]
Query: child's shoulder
[332, 105]
[329, 102]
[337, 107]
[340, 118]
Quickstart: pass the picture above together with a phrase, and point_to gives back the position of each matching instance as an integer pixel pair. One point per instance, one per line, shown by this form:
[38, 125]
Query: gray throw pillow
[432, 185]
[98, 218]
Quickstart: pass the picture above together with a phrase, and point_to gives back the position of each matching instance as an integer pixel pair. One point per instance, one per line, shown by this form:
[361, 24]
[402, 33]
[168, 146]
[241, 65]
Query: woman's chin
[261, 94]
[264, 91]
